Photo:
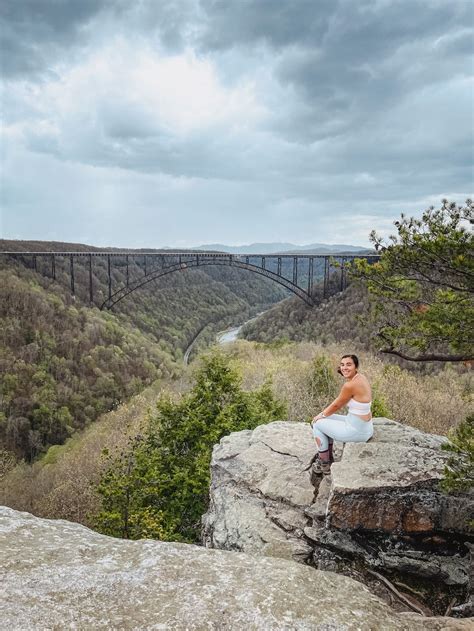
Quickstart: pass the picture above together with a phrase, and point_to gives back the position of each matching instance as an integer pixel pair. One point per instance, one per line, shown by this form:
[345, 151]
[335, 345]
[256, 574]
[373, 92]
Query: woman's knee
[319, 424]
[317, 433]
[321, 438]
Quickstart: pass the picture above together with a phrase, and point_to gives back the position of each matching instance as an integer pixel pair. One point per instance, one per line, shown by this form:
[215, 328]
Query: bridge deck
[286, 268]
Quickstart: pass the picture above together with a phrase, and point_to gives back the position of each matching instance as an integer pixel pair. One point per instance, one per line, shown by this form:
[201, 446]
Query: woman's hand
[317, 417]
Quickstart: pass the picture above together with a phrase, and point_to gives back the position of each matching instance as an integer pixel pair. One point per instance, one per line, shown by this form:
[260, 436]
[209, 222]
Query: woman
[356, 426]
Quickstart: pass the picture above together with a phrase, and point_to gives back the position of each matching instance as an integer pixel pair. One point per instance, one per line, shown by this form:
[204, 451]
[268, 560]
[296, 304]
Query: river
[224, 337]
[230, 335]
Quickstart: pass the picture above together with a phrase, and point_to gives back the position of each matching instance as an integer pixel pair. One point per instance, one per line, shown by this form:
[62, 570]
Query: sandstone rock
[380, 507]
[260, 486]
[391, 485]
[448, 570]
[59, 575]
[318, 511]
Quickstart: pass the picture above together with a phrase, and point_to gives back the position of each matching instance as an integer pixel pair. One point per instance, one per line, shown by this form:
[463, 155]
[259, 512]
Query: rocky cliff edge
[60, 575]
[380, 512]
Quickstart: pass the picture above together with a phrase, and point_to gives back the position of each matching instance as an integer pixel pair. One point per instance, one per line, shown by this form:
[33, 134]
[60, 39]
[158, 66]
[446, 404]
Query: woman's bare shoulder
[348, 386]
[362, 384]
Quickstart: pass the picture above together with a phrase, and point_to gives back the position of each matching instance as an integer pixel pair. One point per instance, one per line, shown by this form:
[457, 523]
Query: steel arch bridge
[311, 277]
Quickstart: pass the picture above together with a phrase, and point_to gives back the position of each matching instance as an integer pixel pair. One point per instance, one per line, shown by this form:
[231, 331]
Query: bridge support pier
[71, 269]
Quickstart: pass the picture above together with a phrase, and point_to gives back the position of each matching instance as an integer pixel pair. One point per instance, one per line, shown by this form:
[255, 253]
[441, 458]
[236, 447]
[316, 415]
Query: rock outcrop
[380, 511]
[60, 575]
[259, 489]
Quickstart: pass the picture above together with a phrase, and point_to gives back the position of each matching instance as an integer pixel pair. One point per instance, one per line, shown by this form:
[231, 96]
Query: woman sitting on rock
[354, 427]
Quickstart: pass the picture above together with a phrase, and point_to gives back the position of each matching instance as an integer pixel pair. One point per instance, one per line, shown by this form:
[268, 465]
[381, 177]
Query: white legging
[346, 429]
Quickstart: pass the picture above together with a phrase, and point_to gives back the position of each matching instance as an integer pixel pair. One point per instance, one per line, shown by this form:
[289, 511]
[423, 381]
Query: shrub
[379, 404]
[459, 470]
[158, 487]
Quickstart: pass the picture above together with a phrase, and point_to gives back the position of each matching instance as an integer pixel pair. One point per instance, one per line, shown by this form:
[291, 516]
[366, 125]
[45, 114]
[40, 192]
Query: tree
[124, 489]
[159, 486]
[459, 470]
[422, 287]
[458, 475]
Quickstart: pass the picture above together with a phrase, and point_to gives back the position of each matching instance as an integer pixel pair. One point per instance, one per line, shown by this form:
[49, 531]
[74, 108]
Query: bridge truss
[311, 277]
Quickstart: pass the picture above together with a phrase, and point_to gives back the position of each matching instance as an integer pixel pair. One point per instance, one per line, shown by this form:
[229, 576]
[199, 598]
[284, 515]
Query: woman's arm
[339, 402]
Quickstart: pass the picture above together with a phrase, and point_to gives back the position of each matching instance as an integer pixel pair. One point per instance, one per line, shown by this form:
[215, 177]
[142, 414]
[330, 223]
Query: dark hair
[354, 358]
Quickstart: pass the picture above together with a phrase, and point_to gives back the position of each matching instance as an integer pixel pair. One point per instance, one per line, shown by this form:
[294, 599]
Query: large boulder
[260, 486]
[60, 575]
[380, 510]
[391, 485]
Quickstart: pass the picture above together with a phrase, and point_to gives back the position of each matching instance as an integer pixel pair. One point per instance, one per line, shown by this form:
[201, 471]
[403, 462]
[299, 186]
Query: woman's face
[348, 368]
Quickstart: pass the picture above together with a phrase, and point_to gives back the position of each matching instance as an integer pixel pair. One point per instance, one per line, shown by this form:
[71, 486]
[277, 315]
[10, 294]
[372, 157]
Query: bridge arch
[125, 291]
[170, 261]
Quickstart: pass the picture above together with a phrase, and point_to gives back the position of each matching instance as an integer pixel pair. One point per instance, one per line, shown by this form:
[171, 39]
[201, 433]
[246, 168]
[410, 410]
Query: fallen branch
[408, 588]
[395, 591]
[450, 607]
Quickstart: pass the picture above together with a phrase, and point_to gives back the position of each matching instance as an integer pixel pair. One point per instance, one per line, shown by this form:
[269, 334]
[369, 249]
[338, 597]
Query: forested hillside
[337, 319]
[343, 319]
[63, 362]
[419, 307]
[64, 484]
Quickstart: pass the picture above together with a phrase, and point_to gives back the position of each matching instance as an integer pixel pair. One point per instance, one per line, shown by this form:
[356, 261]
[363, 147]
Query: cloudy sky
[181, 122]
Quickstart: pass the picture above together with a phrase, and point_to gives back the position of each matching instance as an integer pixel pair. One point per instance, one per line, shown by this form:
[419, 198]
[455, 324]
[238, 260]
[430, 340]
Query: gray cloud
[35, 31]
[242, 120]
[347, 60]
[353, 31]
[38, 34]
[277, 24]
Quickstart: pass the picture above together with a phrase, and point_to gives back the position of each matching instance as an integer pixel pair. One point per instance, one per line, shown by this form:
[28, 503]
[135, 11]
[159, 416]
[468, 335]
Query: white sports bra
[357, 407]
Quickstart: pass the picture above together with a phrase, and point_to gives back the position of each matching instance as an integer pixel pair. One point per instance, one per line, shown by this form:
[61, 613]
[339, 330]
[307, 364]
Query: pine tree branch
[434, 357]
[432, 281]
[445, 262]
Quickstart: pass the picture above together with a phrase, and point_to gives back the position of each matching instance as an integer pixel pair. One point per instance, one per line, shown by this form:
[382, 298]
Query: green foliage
[278, 343]
[62, 363]
[61, 367]
[379, 404]
[124, 490]
[51, 456]
[159, 486]
[342, 317]
[7, 462]
[322, 381]
[459, 470]
[422, 287]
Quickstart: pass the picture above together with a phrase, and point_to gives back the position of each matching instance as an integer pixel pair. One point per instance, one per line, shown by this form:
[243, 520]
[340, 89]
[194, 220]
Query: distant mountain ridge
[17, 245]
[273, 248]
